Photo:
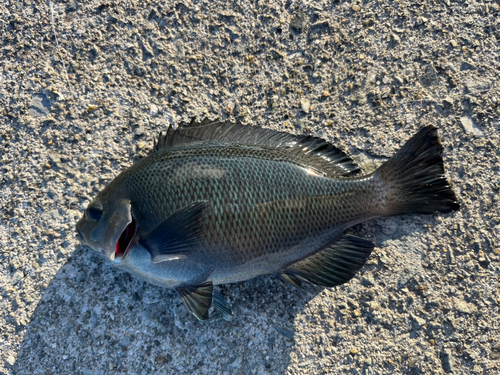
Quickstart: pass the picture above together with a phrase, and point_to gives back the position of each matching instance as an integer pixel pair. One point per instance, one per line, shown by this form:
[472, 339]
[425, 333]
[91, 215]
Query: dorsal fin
[231, 133]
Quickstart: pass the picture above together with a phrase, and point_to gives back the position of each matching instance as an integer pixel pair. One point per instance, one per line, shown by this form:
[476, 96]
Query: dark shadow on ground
[93, 313]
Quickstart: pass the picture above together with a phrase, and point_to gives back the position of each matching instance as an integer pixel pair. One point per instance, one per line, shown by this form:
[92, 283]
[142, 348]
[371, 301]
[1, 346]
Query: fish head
[108, 227]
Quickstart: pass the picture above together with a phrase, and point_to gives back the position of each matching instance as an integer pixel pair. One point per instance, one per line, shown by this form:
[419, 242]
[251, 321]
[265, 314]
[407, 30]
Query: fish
[219, 202]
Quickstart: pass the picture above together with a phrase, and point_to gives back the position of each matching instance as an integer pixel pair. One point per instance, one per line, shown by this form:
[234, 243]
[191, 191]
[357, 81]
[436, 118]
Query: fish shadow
[96, 319]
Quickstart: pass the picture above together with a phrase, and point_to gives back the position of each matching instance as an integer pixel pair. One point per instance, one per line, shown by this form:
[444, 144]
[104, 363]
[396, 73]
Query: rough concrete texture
[85, 87]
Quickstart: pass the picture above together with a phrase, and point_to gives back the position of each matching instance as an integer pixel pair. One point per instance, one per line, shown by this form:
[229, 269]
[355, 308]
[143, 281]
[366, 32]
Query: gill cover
[111, 225]
[117, 225]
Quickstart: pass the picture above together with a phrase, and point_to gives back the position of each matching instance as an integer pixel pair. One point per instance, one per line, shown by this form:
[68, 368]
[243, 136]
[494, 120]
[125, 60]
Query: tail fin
[416, 177]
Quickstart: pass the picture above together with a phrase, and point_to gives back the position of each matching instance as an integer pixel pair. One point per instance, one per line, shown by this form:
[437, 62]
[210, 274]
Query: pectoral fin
[177, 235]
[197, 299]
[334, 265]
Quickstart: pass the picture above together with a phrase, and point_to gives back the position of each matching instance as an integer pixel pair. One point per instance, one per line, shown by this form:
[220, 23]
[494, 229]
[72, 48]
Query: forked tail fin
[416, 177]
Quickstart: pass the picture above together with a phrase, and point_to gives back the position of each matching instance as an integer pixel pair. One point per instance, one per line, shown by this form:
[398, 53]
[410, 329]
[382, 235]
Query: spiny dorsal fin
[335, 265]
[197, 298]
[227, 132]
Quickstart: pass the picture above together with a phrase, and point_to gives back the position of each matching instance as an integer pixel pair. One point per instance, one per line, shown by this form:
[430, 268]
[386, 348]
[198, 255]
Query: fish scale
[223, 202]
[222, 244]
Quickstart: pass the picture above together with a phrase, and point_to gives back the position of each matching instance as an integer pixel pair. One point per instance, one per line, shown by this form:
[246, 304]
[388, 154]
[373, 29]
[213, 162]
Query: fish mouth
[123, 243]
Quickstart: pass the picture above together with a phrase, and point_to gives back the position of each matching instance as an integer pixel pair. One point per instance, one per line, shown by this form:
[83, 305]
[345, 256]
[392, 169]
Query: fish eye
[95, 210]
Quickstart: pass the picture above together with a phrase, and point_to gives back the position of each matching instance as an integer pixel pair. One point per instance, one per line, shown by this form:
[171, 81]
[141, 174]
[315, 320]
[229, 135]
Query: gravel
[85, 87]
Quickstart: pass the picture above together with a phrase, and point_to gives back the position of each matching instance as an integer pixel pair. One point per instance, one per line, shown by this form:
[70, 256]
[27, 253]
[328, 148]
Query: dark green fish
[221, 202]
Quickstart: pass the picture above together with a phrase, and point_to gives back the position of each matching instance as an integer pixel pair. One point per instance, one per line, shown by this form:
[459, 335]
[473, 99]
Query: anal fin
[334, 265]
[197, 298]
